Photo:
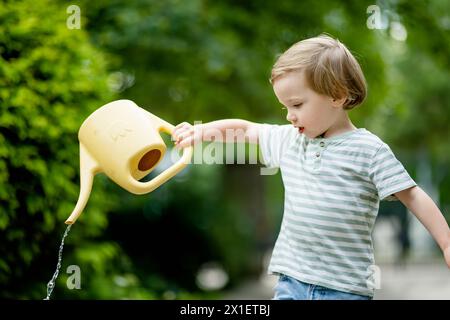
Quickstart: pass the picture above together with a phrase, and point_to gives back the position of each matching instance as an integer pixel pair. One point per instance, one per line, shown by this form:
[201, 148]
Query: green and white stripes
[333, 187]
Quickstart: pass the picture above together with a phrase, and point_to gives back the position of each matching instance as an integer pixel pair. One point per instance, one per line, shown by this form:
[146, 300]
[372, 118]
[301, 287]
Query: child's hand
[186, 135]
[447, 256]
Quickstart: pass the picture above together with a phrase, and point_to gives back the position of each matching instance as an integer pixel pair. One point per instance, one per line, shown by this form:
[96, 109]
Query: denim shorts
[289, 288]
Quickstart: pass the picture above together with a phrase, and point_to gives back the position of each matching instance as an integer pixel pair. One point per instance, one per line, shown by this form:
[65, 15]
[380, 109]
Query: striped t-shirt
[333, 187]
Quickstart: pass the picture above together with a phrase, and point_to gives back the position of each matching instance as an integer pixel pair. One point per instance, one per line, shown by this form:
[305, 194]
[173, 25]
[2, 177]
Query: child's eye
[298, 105]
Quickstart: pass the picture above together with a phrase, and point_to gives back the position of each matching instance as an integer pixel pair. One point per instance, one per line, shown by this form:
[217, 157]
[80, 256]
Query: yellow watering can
[123, 141]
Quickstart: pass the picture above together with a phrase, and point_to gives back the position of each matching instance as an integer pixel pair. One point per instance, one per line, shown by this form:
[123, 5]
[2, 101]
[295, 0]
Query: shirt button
[318, 154]
[322, 144]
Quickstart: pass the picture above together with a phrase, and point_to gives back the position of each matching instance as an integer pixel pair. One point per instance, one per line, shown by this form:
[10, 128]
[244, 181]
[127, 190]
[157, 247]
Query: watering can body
[123, 141]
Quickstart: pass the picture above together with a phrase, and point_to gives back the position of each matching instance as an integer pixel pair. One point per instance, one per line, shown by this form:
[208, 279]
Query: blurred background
[208, 232]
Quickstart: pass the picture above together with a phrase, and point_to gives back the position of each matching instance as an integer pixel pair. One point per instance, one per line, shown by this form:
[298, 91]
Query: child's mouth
[301, 129]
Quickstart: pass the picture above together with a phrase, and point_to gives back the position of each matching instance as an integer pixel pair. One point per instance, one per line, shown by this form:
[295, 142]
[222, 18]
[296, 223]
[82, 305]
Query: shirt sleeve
[273, 142]
[388, 174]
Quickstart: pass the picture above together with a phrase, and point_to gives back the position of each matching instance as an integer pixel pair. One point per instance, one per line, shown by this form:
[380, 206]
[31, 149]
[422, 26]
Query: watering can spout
[88, 168]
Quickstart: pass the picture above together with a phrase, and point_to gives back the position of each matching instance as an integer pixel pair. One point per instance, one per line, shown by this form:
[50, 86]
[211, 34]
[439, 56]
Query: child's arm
[228, 130]
[423, 207]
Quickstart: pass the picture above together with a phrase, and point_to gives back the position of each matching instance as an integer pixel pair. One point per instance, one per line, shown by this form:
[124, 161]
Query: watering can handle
[145, 187]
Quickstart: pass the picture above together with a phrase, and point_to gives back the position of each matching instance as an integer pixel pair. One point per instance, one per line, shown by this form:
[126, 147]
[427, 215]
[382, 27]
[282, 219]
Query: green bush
[51, 78]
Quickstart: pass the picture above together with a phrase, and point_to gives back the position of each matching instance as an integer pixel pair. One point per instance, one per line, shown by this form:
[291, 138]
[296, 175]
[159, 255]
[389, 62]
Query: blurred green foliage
[51, 78]
[184, 61]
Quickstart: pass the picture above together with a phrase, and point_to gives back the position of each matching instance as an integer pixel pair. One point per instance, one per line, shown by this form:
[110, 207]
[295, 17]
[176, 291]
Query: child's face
[310, 112]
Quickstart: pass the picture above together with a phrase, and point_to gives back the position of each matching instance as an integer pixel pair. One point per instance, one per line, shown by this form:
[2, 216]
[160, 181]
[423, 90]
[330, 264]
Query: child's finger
[176, 134]
[181, 125]
[180, 129]
[185, 142]
[180, 134]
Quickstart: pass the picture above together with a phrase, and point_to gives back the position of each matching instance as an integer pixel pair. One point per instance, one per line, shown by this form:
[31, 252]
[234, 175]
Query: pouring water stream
[51, 283]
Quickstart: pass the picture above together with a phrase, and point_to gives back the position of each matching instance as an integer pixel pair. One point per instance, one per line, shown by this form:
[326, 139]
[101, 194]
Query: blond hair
[329, 67]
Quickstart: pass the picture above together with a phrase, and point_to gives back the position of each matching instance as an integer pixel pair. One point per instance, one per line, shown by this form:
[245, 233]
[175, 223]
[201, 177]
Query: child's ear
[337, 103]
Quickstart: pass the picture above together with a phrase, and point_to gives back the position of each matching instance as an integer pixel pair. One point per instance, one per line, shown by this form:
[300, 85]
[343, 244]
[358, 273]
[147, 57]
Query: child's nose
[290, 117]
